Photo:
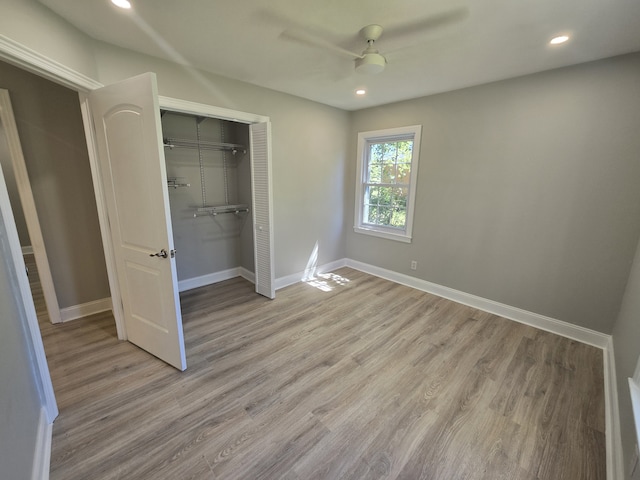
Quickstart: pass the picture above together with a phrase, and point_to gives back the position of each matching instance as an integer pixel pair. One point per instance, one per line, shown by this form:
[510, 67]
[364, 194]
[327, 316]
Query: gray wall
[309, 145]
[30, 23]
[239, 133]
[54, 146]
[626, 345]
[20, 401]
[207, 244]
[527, 192]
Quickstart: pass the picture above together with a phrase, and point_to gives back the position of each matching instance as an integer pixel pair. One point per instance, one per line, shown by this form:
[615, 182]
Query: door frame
[29, 211]
[31, 61]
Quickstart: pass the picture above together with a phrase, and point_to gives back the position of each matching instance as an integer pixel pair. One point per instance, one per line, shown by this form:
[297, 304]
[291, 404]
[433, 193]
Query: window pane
[385, 195]
[405, 150]
[376, 152]
[403, 173]
[389, 173]
[373, 195]
[375, 173]
[384, 215]
[399, 218]
[400, 197]
[390, 152]
[372, 216]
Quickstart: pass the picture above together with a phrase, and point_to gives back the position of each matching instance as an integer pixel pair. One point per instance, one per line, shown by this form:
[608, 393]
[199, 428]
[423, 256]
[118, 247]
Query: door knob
[162, 254]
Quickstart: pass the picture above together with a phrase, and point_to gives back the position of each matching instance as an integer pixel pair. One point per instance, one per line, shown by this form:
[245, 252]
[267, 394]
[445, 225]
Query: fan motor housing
[370, 63]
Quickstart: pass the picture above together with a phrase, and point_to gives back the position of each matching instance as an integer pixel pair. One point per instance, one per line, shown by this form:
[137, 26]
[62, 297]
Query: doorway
[18, 286]
[260, 143]
[52, 184]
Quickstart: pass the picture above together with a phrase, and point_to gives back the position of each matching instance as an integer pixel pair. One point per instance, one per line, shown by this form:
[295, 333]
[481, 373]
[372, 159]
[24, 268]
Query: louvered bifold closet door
[262, 208]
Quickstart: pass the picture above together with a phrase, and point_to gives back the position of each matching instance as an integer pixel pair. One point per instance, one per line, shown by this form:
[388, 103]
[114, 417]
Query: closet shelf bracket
[175, 182]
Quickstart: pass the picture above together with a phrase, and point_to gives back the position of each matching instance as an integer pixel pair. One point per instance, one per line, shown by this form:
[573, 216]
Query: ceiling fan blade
[315, 41]
[441, 19]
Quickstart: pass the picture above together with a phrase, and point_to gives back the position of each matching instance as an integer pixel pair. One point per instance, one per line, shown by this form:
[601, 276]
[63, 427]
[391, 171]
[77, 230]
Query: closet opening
[148, 265]
[208, 163]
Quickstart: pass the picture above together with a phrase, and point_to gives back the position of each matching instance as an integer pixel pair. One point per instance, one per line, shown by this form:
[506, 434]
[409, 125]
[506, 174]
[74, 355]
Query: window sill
[399, 237]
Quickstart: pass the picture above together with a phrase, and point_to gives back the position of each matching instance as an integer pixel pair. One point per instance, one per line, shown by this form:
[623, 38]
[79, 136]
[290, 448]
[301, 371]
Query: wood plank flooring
[355, 377]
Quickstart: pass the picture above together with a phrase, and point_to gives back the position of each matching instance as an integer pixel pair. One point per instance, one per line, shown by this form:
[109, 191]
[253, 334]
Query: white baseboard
[85, 309]
[615, 462]
[203, 280]
[300, 276]
[42, 453]
[27, 250]
[565, 329]
[247, 275]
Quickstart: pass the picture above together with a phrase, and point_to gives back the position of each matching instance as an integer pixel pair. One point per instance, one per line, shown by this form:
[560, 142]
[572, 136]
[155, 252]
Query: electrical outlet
[414, 265]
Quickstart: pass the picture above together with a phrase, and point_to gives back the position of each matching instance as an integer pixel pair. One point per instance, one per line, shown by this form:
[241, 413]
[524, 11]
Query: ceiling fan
[371, 61]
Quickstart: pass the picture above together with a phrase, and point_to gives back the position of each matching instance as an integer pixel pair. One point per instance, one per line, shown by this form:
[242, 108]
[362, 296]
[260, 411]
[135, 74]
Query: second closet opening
[209, 180]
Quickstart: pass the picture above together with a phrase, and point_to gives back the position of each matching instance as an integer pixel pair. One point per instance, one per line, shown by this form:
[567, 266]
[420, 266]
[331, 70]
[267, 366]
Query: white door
[126, 118]
[262, 208]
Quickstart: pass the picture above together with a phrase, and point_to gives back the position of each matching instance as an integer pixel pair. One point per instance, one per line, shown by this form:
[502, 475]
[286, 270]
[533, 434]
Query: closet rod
[215, 209]
[220, 210]
[182, 143]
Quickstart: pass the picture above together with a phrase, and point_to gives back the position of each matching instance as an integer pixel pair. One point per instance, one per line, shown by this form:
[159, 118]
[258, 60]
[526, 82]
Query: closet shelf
[219, 209]
[204, 145]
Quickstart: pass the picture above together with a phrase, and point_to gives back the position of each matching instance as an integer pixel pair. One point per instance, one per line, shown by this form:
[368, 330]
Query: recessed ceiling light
[122, 3]
[559, 39]
[361, 91]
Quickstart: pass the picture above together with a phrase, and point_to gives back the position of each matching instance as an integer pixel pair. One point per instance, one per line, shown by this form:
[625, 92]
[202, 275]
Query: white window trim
[387, 135]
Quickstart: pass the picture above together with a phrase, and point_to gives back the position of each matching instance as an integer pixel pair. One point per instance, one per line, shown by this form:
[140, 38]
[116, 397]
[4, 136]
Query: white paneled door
[128, 131]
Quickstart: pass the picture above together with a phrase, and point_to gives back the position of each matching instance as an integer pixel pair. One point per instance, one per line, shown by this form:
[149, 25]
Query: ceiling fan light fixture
[370, 63]
[559, 39]
[125, 4]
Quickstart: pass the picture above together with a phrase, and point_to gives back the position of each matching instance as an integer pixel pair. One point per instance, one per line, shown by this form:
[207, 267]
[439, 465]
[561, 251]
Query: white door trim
[194, 108]
[23, 57]
[29, 207]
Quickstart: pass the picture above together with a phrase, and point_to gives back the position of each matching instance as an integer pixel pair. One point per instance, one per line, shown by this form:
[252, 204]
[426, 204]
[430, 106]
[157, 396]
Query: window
[386, 182]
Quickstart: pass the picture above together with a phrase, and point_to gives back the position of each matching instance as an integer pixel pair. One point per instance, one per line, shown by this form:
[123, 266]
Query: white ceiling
[241, 39]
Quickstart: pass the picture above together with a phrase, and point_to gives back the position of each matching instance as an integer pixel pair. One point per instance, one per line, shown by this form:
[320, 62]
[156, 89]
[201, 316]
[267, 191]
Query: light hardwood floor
[355, 377]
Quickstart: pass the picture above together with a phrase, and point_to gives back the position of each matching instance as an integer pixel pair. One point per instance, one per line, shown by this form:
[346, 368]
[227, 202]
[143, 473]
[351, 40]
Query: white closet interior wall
[208, 246]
